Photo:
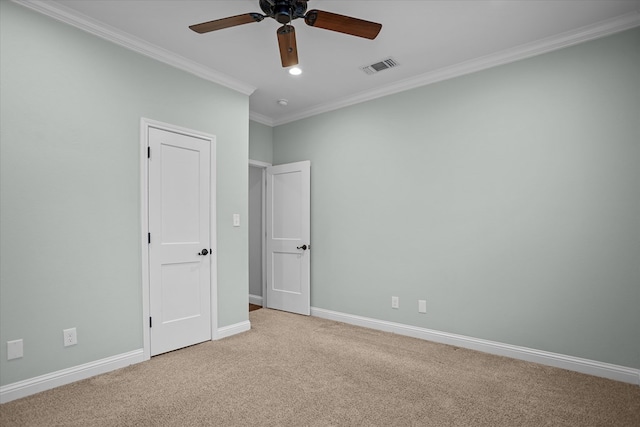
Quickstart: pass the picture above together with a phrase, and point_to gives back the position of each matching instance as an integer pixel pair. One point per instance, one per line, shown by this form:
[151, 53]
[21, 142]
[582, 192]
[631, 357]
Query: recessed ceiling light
[295, 71]
[282, 102]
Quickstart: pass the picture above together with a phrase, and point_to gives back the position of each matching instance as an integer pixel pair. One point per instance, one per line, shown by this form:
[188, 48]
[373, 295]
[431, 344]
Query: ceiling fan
[285, 11]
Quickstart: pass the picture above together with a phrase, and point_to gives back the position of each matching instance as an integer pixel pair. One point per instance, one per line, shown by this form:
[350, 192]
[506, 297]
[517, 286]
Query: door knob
[203, 253]
[303, 247]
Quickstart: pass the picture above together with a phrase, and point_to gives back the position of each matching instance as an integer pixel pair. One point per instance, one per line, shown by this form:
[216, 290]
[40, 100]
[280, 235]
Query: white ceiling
[431, 40]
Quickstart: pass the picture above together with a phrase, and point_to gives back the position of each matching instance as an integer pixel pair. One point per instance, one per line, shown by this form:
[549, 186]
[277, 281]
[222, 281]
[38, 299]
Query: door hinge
[150, 322]
[149, 235]
[148, 152]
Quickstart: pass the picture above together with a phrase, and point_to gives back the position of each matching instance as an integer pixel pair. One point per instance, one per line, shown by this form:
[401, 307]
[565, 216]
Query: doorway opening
[257, 233]
[279, 236]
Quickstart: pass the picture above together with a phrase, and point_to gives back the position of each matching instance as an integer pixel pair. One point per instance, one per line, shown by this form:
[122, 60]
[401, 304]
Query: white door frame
[145, 124]
[263, 166]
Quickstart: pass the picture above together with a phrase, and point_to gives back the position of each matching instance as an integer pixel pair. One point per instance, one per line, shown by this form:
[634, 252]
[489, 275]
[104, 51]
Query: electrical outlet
[14, 349]
[395, 302]
[422, 306]
[70, 337]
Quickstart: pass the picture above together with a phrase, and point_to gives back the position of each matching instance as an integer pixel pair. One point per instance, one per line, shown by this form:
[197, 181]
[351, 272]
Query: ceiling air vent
[379, 66]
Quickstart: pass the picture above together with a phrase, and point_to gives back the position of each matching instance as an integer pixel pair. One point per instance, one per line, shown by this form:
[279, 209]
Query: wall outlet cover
[70, 337]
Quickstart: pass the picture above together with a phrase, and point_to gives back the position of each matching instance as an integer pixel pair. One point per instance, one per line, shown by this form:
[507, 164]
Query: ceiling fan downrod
[282, 13]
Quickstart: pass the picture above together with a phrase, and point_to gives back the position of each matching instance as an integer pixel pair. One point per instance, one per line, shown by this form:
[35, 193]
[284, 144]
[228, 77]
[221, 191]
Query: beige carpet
[292, 370]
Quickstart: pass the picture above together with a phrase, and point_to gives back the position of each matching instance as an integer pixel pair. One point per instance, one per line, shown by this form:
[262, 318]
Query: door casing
[145, 124]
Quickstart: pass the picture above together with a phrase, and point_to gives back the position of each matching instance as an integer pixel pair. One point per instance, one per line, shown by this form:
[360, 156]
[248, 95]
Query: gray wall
[509, 199]
[260, 142]
[70, 201]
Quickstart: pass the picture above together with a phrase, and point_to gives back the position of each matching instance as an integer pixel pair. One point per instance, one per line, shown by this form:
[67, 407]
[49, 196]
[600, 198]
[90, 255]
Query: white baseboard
[600, 369]
[255, 299]
[237, 328]
[585, 366]
[34, 385]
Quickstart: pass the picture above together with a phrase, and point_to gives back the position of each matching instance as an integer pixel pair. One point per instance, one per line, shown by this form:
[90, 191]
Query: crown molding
[102, 30]
[528, 50]
[260, 118]
[580, 35]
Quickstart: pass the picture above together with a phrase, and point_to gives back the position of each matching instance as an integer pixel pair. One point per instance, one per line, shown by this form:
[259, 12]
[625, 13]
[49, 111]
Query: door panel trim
[145, 125]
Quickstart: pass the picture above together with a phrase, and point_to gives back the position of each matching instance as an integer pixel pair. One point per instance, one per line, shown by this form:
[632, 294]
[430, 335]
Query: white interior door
[288, 237]
[179, 251]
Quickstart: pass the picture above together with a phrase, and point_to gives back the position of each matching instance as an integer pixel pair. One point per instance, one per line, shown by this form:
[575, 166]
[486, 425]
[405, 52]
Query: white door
[179, 249]
[288, 237]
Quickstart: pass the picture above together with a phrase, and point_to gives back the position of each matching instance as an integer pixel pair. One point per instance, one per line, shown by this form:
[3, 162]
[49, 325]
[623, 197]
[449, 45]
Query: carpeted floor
[292, 370]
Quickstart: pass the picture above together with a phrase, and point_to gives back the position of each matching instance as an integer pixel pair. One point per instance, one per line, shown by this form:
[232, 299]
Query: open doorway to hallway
[256, 234]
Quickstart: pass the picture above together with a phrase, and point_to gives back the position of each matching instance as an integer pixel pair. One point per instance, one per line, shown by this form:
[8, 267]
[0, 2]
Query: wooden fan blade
[343, 24]
[287, 43]
[231, 21]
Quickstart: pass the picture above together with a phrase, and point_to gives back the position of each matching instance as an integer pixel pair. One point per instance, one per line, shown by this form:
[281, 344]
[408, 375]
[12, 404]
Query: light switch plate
[14, 349]
[422, 306]
[236, 220]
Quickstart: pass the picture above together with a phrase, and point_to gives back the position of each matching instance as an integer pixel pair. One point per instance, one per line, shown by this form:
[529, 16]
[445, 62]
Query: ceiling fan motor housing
[284, 11]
